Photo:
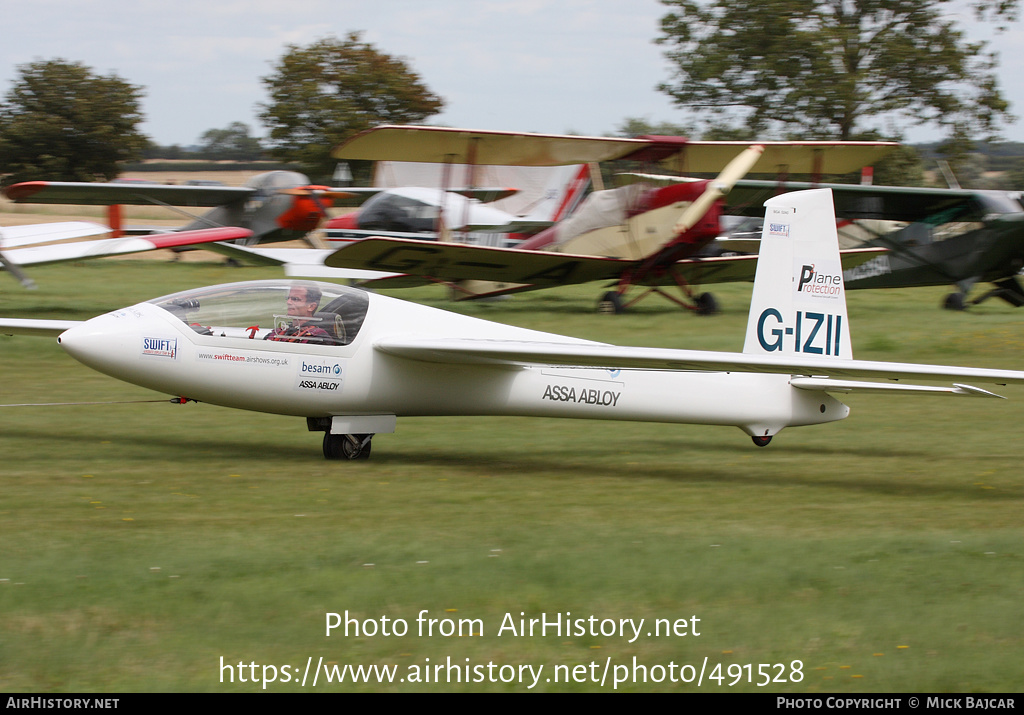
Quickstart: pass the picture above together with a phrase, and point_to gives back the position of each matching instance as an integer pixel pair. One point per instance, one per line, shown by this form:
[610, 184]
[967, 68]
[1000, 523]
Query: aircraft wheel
[954, 301]
[762, 441]
[706, 304]
[611, 303]
[347, 446]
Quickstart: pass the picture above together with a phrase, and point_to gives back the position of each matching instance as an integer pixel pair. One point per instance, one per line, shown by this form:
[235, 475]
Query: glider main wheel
[761, 441]
[706, 304]
[954, 301]
[347, 446]
[611, 304]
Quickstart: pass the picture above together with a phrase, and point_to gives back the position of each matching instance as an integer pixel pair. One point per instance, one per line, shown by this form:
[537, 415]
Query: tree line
[792, 69]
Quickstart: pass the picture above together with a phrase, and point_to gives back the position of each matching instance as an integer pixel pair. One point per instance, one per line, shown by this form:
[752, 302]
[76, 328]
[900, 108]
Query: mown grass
[140, 543]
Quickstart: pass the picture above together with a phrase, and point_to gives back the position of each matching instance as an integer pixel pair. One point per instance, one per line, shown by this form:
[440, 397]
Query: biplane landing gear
[347, 446]
[761, 441]
[611, 303]
[706, 304]
[954, 301]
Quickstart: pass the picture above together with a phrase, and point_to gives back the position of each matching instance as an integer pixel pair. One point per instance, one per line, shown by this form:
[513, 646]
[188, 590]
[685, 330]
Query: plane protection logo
[818, 281]
[160, 347]
[319, 375]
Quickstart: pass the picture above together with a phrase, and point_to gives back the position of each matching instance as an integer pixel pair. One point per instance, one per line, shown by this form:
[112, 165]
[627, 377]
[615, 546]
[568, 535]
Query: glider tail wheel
[347, 446]
[761, 441]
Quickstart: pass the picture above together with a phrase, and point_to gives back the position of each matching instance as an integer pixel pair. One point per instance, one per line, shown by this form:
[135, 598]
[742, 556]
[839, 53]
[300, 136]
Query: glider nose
[96, 343]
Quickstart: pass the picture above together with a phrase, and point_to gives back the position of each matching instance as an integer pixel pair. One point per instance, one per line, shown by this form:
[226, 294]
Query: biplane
[631, 236]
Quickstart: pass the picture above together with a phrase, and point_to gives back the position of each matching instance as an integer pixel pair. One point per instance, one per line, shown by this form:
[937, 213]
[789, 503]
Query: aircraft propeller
[300, 216]
[723, 183]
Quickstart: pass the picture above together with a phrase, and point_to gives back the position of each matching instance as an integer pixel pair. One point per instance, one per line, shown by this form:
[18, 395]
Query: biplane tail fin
[798, 306]
[563, 193]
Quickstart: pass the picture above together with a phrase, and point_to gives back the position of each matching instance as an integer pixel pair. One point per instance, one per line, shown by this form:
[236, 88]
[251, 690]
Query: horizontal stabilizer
[848, 386]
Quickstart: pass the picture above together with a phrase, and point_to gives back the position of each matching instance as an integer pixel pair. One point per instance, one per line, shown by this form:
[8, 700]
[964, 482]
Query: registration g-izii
[376, 359]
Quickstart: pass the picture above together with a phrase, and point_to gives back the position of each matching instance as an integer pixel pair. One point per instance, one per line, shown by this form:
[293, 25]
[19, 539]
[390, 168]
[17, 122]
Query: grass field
[141, 544]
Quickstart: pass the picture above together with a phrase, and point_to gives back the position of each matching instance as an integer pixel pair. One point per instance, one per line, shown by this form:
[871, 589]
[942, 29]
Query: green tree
[231, 143]
[325, 93]
[639, 126]
[822, 68]
[62, 122]
[903, 167]
[1014, 179]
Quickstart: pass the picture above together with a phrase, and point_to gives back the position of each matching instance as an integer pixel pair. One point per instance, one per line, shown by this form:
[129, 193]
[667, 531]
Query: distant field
[145, 546]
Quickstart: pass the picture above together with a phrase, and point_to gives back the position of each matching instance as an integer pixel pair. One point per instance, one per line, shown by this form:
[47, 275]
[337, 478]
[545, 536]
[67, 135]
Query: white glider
[352, 362]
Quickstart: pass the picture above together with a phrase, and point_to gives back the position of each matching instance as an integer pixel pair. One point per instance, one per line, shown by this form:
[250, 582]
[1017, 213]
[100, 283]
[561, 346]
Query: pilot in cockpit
[303, 301]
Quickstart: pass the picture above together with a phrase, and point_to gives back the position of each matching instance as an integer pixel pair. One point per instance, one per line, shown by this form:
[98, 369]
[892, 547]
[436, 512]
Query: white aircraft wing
[80, 250]
[813, 374]
[14, 236]
[39, 328]
[298, 262]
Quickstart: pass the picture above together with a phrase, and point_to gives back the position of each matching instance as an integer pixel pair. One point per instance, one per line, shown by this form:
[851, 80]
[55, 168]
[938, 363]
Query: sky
[554, 66]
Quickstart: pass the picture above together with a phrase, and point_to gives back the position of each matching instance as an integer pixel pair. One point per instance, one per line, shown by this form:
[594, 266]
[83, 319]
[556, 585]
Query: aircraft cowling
[306, 212]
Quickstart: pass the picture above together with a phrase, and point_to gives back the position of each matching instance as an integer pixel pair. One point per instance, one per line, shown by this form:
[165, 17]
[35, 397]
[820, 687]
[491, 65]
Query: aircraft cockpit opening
[275, 310]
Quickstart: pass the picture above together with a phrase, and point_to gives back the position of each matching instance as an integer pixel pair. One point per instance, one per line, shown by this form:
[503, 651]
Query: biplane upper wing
[445, 145]
[422, 262]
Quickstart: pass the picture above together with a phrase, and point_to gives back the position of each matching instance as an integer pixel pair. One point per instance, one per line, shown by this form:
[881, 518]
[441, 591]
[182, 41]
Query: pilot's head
[303, 300]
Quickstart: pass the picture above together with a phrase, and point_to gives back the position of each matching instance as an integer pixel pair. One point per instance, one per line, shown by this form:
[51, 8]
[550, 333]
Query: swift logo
[778, 229]
[816, 283]
[807, 332]
[160, 347]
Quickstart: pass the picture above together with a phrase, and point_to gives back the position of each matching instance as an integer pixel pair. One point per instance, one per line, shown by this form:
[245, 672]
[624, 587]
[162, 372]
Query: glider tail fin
[798, 306]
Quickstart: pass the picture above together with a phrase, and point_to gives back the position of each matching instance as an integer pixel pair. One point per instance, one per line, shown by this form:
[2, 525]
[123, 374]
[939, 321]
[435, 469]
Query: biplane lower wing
[419, 263]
